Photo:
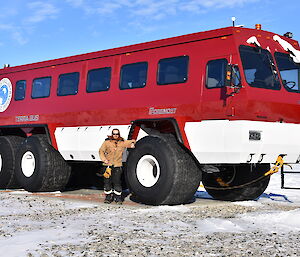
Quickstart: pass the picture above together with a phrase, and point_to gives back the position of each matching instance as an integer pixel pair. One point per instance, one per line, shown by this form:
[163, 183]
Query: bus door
[220, 93]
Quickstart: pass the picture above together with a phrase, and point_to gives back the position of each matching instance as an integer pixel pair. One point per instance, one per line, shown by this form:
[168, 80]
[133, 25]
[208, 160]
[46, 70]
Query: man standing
[111, 153]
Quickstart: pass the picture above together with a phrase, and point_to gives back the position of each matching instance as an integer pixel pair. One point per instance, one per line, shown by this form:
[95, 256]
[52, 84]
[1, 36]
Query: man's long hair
[111, 137]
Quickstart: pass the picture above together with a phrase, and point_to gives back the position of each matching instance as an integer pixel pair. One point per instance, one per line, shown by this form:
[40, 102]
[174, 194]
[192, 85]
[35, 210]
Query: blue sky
[37, 30]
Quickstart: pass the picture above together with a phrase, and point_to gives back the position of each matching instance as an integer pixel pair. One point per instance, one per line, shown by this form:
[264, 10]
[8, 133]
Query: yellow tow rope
[279, 163]
[276, 167]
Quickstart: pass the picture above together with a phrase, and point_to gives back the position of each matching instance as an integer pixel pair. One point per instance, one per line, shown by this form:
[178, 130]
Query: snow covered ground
[41, 226]
[274, 221]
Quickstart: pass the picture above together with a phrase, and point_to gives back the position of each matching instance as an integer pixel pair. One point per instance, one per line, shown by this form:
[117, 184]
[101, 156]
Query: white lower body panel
[83, 143]
[224, 141]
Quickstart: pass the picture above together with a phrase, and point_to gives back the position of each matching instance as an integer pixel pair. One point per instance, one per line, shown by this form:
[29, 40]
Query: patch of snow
[24, 192]
[213, 225]
[81, 205]
[165, 208]
[248, 203]
[279, 222]
[19, 244]
[253, 40]
[20, 192]
[289, 48]
[274, 192]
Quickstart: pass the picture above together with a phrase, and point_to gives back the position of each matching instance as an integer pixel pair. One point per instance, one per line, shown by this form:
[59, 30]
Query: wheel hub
[148, 171]
[28, 164]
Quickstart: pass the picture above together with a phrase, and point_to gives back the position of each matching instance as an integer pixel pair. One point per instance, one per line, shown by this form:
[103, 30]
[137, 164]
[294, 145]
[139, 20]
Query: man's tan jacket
[112, 151]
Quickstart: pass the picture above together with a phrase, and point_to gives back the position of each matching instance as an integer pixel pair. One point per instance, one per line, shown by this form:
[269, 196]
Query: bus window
[289, 72]
[134, 75]
[68, 84]
[215, 73]
[41, 87]
[173, 70]
[259, 68]
[20, 90]
[98, 80]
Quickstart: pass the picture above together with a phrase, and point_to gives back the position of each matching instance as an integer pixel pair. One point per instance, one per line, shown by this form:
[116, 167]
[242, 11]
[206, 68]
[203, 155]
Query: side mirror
[233, 79]
[228, 75]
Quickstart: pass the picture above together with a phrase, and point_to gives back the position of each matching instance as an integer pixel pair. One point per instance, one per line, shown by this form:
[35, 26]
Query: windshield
[289, 71]
[259, 68]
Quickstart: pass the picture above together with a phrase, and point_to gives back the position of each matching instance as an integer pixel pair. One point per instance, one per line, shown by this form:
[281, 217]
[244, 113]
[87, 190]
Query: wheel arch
[161, 127]
[26, 130]
[156, 127]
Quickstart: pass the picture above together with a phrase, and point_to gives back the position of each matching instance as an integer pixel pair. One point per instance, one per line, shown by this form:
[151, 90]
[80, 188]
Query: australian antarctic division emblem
[5, 93]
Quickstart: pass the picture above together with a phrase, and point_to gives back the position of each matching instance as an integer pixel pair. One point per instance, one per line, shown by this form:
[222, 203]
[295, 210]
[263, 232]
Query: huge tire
[8, 149]
[160, 172]
[40, 167]
[236, 182]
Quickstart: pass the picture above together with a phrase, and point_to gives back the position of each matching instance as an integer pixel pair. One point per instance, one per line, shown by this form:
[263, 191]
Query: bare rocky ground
[81, 225]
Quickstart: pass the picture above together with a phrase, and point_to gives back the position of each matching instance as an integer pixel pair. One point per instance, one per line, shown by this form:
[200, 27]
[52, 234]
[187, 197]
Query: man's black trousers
[113, 184]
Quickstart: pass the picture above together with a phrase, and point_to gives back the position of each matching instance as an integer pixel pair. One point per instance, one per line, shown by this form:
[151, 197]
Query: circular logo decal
[5, 93]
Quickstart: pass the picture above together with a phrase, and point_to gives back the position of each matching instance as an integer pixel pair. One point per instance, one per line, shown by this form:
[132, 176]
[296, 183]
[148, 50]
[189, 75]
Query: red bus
[216, 106]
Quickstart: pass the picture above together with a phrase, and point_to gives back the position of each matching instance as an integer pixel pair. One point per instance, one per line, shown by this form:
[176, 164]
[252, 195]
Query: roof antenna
[233, 21]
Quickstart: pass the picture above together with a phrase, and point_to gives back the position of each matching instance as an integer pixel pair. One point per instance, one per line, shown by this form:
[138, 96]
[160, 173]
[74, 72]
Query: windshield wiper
[272, 66]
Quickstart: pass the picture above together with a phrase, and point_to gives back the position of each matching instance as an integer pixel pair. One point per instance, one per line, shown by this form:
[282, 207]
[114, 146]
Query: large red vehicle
[216, 106]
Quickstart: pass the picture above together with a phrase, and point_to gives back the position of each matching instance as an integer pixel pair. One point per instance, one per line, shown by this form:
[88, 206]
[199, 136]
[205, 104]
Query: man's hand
[107, 162]
[132, 145]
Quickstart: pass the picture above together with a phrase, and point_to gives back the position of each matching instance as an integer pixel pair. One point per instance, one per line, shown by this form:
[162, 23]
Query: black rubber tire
[8, 149]
[179, 175]
[51, 172]
[236, 175]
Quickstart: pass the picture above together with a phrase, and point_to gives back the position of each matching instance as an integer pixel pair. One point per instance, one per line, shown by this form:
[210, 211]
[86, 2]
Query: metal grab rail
[282, 178]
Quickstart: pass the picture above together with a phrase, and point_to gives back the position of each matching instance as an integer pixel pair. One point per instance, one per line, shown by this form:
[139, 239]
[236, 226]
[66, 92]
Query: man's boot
[109, 198]
[118, 198]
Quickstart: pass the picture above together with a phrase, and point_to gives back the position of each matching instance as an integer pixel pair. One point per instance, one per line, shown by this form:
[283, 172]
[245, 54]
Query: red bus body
[166, 107]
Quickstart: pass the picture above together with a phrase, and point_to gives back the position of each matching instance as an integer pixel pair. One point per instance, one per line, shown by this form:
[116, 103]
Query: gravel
[39, 225]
